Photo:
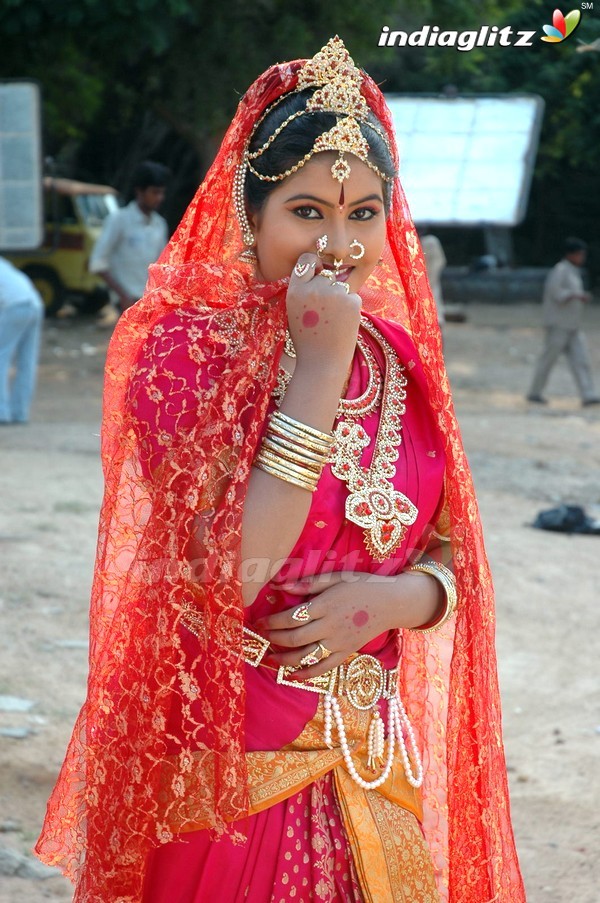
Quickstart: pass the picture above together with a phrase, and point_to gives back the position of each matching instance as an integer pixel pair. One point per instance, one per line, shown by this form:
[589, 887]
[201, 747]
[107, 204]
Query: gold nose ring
[360, 249]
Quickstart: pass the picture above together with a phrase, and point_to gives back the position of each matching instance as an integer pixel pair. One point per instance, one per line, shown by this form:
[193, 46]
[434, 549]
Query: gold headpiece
[333, 72]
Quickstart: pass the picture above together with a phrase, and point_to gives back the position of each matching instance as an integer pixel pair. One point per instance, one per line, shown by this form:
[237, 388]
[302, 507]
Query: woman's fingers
[308, 655]
[304, 269]
[317, 583]
[292, 635]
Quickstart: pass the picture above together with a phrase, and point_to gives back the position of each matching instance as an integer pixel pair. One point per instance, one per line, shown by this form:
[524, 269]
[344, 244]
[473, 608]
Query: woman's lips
[341, 275]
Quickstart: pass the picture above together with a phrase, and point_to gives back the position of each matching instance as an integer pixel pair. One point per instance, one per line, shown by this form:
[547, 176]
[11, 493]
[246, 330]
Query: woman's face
[311, 203]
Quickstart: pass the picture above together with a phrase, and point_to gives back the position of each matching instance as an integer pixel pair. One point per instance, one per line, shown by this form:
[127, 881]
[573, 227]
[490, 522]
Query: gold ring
[344, 285]
[302, 613]
[312, 658]
[321, 245]
[325, 652]
[328, 274]
[301, 269]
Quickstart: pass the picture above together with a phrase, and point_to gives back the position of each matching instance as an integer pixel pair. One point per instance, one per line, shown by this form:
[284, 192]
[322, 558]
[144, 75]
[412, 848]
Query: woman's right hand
[323, 318]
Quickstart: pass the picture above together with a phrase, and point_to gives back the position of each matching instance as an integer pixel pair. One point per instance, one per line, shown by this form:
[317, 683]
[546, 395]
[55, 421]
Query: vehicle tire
[49, 286]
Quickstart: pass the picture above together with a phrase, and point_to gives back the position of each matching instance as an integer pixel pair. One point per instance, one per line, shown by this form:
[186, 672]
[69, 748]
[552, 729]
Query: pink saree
[304, 836]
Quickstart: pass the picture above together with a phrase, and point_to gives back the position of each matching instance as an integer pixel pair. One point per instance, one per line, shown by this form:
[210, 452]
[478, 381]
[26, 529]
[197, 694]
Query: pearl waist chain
[364, 682]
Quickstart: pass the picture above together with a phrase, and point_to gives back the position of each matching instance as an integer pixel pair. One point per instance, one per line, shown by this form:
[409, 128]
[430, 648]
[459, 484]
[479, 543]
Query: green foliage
[186, 59]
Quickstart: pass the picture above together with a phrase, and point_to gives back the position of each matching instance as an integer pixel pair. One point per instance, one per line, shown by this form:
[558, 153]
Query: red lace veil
[121, 785]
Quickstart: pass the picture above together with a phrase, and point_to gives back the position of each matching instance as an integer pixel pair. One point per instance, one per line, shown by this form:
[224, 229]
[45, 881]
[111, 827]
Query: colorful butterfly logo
[562, 26]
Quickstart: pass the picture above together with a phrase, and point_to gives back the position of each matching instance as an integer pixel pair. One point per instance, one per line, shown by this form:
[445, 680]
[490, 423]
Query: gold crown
[339, 96]
[331, 62]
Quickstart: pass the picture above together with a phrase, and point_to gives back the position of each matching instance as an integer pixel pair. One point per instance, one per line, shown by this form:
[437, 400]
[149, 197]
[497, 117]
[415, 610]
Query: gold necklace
[373, 503]
[356, 407]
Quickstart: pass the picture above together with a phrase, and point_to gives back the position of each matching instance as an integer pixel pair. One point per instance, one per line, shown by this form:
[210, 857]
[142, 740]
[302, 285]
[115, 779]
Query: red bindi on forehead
[342, 198]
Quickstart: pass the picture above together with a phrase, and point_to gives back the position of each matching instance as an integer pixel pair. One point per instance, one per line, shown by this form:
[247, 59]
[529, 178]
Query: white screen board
[21, 226]
[467, 161]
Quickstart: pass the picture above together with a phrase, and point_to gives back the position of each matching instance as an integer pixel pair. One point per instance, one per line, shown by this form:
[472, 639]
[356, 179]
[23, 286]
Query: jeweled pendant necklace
[373, 503]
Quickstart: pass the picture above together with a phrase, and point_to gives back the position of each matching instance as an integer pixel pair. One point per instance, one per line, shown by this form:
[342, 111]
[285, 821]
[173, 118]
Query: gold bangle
[279, 429]
[448, 581]
[281, 475]
[284, 471]
[268, 456]
[284, 446]
[303, 428]
[289, 455]
[299, 448]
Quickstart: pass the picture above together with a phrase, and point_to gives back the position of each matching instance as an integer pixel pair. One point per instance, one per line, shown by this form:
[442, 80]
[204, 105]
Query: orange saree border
[383, 826]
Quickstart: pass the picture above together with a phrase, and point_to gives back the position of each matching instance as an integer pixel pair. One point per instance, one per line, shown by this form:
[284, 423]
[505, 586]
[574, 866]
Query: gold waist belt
[361, 679]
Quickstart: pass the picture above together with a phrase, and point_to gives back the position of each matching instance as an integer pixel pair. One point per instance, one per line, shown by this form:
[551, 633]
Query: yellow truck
[74, 212]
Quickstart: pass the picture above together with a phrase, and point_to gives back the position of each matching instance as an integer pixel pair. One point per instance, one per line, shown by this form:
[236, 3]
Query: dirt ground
[524, 459]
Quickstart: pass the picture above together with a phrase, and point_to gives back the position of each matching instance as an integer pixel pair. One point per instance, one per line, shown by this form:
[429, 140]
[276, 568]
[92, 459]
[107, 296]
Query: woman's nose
[338, 243]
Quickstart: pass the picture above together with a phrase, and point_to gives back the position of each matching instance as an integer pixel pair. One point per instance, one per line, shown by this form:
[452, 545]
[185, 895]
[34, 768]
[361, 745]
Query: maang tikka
[338, 81]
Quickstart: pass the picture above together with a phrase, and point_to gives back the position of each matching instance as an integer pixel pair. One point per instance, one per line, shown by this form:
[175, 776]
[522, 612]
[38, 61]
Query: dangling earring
[360, 252]
[249, 255]
[321, 245]
[239, 204]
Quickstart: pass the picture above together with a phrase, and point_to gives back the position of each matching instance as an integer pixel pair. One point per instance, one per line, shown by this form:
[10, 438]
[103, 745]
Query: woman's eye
[307, 213]
[364, 213]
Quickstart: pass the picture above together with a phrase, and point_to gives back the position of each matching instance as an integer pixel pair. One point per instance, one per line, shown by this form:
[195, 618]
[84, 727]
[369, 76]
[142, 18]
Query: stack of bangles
[293, 451]
[448, 581]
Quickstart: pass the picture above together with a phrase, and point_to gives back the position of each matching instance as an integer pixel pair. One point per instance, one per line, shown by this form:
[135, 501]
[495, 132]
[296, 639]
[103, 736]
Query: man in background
[563, 303]
[21, 316]
[435, 262]
[132, 238]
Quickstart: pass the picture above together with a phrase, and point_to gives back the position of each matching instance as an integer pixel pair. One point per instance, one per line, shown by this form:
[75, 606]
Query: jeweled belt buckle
[364, 682]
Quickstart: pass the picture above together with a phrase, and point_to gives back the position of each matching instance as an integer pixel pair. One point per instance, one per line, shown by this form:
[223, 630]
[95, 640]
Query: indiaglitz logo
[485, 36]
[562, 26]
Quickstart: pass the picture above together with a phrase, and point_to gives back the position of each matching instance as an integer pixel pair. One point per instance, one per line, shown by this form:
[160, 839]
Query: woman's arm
[275, 511]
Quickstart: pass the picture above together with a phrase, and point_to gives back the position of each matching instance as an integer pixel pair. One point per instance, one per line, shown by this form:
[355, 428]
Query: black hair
[297, 139]
[572, 245]
[150, 175]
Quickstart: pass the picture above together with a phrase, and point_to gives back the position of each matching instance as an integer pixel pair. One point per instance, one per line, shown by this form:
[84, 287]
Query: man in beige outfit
[564, 300]
[435, 262]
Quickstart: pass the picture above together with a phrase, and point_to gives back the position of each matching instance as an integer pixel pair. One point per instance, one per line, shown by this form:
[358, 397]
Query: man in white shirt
[563, 304]
[132, 238]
